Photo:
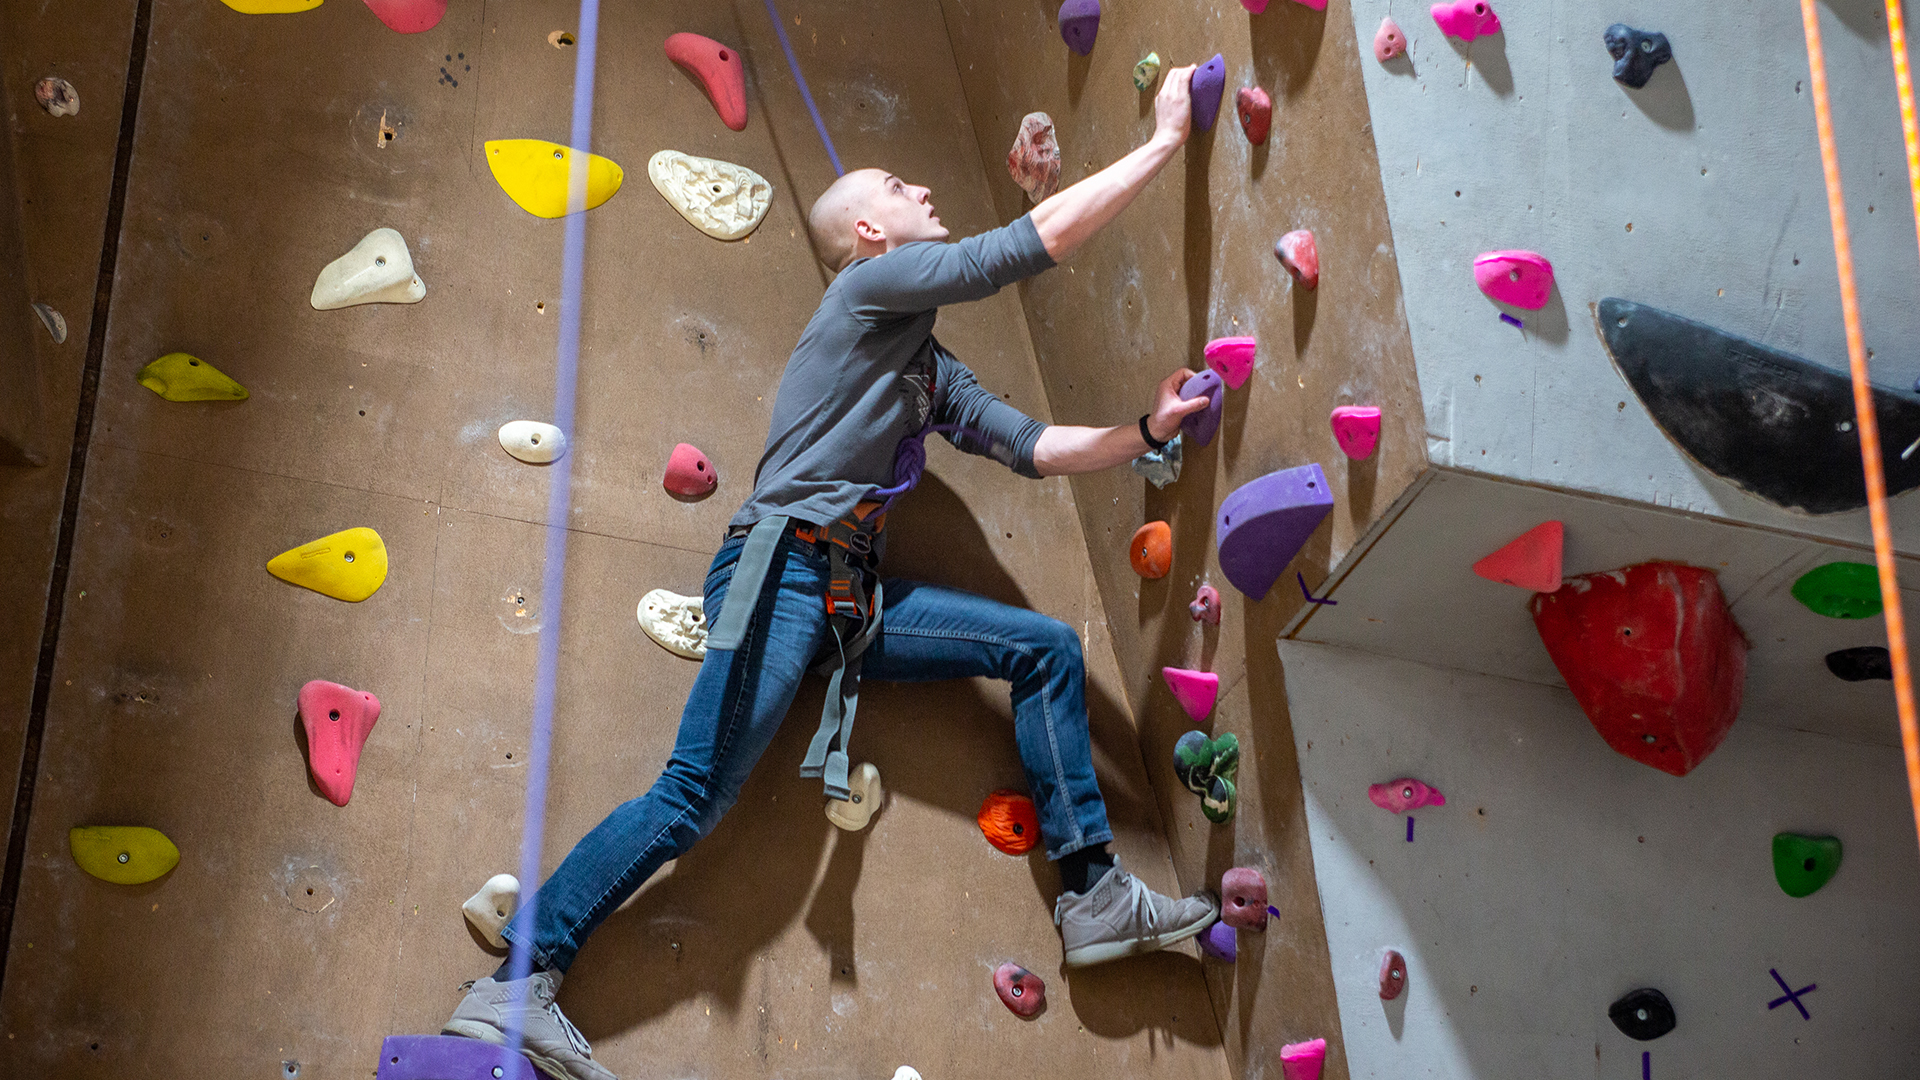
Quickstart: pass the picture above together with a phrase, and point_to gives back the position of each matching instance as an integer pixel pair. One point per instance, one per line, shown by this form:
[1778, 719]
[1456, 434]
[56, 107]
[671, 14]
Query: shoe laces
[574, 1038]
[1141, 898]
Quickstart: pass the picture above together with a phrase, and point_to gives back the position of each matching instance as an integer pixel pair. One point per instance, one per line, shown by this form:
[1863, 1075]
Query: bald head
[870, 212]
[836, 212]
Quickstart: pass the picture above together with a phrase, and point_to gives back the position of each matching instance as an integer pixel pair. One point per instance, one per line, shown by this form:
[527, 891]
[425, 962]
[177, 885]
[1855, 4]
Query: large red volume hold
[337, 719]
[1652, 655]
[719, 70]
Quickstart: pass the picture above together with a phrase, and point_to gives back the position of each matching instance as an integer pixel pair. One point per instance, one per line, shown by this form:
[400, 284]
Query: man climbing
[865, 384]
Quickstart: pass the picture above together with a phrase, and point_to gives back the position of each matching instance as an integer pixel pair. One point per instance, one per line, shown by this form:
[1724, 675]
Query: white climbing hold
[677, 623]
[492, 908]
[57, 96]
[55, 322]
[863, 789]
[723, 200]
[379, 270]
[906, 1072]
[533, 442]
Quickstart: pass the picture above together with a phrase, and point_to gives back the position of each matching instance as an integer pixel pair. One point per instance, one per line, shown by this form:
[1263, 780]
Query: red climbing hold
[337, 720]
[1020, 990]
[719, 70]
[1531, 561]
[1232, 357]
[1205, 606]
[409, 16]
[1393, 975]
[1008, 821]
[1196, 691]
[1298, 253]
[1243, 899]
[1357, 429]
[1303, 1061]
[689, 473]
[1256, 113]
[1652, 655]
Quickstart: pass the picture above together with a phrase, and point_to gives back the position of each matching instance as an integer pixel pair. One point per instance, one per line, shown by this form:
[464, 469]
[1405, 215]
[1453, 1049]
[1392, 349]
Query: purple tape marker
[1409, 830]
[1510, 320]
[1646, 1065]
[1311, 599]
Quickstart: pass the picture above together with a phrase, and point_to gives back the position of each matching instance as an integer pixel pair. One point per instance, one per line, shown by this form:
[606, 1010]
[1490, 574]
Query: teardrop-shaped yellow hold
[533, 173]
[271, 7]
[349, 565]
[122, 854]
[179, 376]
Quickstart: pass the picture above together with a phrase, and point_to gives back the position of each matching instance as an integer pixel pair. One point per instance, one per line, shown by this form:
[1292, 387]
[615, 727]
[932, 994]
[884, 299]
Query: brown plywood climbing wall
[1192, 260]
[294, 931]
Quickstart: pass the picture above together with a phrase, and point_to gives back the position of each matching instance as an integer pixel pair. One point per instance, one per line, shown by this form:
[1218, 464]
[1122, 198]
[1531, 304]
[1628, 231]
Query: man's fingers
[1193, 405]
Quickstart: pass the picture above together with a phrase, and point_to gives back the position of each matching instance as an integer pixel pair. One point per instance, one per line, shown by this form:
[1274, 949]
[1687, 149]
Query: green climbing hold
[1804, 863]
[1840, 590]
[1207, 767]
[1147, 70]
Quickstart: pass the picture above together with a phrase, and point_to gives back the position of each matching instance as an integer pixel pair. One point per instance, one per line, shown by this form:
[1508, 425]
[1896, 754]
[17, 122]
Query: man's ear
[867, 230]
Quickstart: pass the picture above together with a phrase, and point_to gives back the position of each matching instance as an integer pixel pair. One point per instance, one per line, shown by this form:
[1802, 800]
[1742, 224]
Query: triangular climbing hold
[1303, 1061]
[271, 7]
[723, 200]
[720, 72]
[1232, 357]
[347, 565]
[337, 720]
[122, 854]
[379, 270]
[689, 473]
[1357, 429]
[1802, 864]
[180, 377]
[1531, 561]
[491, 907]
[1194, 690]
[409, 16]
[1266, 522]
[533, 173]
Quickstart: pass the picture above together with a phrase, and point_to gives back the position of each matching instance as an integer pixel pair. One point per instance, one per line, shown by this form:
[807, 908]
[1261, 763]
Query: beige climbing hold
[492, 908]
[863, 798]
[55, 322]
[57, 96]
[723, 200]
[677, 623]
[379, 270]
[533, 442]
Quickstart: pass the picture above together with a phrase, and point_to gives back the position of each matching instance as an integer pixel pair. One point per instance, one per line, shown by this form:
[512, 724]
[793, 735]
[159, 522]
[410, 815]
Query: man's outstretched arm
[1064, 449]
[1067, 219]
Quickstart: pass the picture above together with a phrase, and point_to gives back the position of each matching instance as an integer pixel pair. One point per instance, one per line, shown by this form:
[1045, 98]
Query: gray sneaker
[1119, 917]
[549, 1040]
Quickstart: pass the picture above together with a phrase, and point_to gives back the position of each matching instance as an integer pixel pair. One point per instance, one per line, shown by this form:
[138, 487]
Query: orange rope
[1857, 362]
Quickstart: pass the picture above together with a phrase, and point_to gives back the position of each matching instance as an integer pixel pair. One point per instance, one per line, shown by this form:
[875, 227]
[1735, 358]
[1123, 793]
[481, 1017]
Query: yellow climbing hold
[271, 7]
[349, 565]
[533, 173]
[178, 376]
[122, 854]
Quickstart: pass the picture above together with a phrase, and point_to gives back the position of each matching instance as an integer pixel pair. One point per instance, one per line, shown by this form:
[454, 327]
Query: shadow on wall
[1664, 99]
[1488, 55]
[1285, 42]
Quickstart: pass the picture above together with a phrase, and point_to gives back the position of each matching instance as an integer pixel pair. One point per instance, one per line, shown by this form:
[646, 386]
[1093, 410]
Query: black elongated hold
[1644, 1014]
[1861, 663]
[1777, 426]
[1636, 53]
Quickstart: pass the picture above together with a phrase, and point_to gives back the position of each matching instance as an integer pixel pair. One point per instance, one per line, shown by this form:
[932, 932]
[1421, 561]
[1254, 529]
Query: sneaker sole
[1101, 952]
[487, 1033]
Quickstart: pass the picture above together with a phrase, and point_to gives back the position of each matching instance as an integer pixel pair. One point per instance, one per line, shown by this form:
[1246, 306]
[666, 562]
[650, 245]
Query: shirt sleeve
[921, 276]
[1009, 433]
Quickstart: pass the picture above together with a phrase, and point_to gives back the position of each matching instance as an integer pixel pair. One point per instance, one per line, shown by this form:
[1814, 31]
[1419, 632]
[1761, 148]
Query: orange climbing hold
[1531, 561]
[337, 720]
[719, 70]
[1009, 822]
[1152, 550]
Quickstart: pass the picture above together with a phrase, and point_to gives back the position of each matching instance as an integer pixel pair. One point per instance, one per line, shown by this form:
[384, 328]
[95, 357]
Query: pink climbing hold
[1531, 561]
[1020, 990]
[1466, 19]
[337, 720]
[1316, 5]
[1404, 794]
[1256, 113]
[1232, 357]
[1196, 691]
[1080, 24]
[1301, 256]
[1205, 606]
[689, 473]
[1393, 975]
[1255, 6]
[1521, 278]
[1357, 429]
[720, 72]
[1388, 41]
[1303, 1061]
[409, 16]
[1243, 899]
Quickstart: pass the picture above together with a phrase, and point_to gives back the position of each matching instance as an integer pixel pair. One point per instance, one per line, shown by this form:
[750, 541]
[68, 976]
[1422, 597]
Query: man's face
[902, 212]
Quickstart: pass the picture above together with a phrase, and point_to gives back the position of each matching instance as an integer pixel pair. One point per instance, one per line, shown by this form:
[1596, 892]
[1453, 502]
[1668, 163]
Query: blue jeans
[741, 696]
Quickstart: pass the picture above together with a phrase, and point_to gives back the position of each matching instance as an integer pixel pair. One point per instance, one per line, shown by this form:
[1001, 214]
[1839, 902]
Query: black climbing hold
[1636, 53]
[1778, 426]
[1861, 663]
[1644, 1014]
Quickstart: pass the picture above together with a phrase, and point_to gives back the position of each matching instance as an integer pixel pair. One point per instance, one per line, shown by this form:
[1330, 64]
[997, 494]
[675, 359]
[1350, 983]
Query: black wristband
[1148, 435]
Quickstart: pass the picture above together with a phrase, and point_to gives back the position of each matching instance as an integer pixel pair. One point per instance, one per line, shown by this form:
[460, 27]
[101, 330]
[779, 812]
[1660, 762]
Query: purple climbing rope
[559, 498]
[910, 461]
[806, 95]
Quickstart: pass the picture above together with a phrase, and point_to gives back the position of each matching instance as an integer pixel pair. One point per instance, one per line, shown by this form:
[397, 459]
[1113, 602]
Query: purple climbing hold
[1220, 943]
[1203, 425]
[1265, 523]
[1080, 24]
[1209, 82]
[438, 1057]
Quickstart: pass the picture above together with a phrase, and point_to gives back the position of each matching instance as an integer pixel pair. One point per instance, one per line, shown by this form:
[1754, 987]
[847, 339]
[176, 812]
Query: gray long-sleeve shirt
[868, 372]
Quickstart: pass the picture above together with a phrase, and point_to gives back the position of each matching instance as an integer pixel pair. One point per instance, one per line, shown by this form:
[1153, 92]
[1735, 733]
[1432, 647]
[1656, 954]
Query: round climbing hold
[1220, 943]
[1020, 990]
[532, 441]
[1636, 53]
[1205, 606]
[864, 797]
[1840, 590]
[1243, 899]
[1804, 864]
[122, 854]
[1146, 71]
[1080, 24]
[1861, 663]
[1298, 252]
[689, 474]
[1357, 429]
[1644, 1014]
[1151, 550]
[1256, 113]
[1393, 975]
[1009, 822]
[1207, 767]
[57, 96]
